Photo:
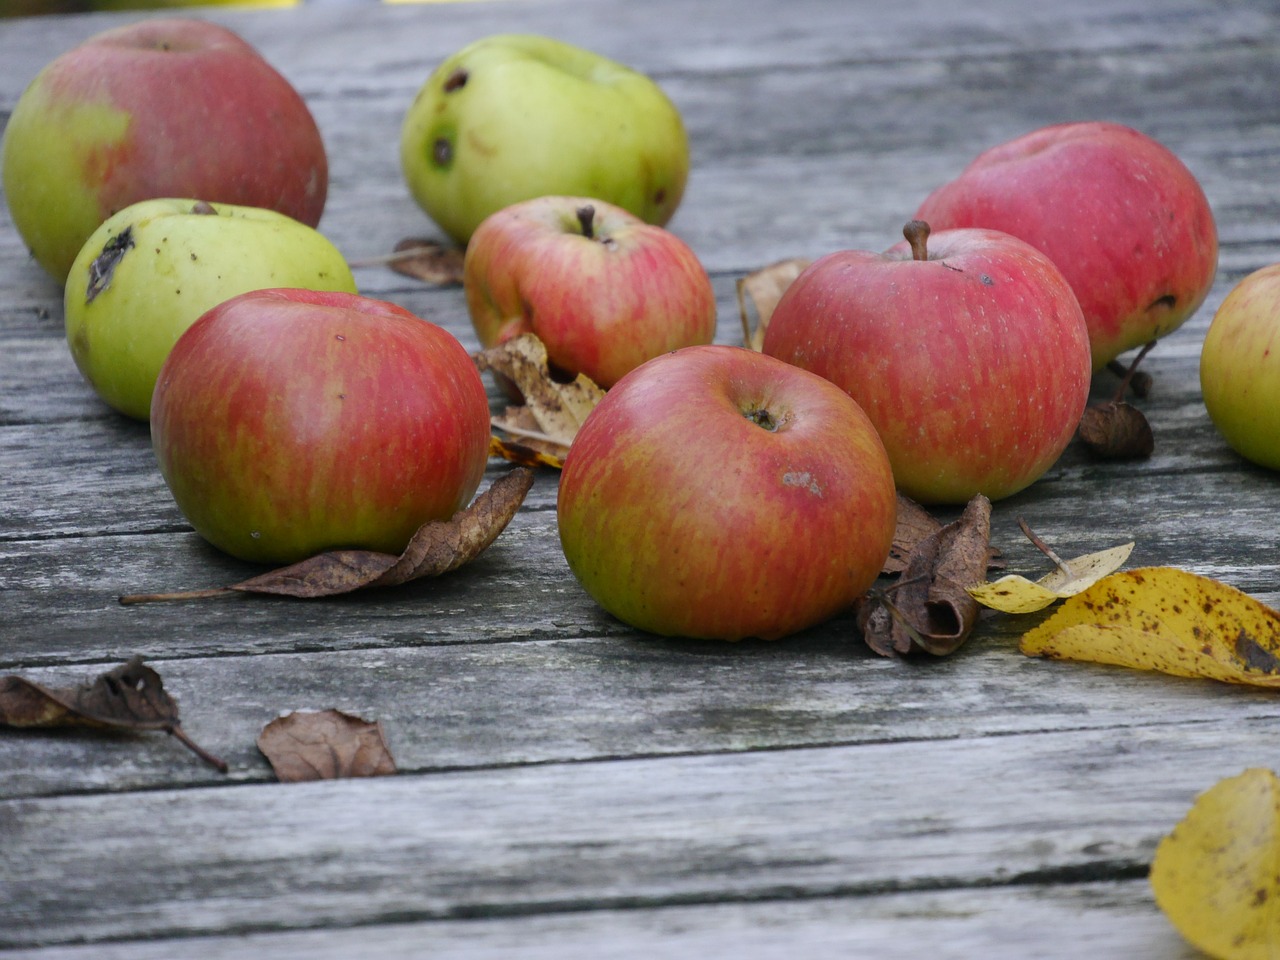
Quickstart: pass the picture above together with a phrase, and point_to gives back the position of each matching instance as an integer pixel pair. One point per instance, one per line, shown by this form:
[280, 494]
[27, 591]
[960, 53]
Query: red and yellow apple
[166, 107]
[602, 289]
[152, 269]
[516, 116]
[967, 350]
[1118, 213]
[718, 493]
[287, 422]
[1240, 367]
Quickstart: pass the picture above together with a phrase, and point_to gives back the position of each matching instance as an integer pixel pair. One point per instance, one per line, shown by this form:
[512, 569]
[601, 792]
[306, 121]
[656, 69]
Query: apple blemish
[456, 80]
[104, 265]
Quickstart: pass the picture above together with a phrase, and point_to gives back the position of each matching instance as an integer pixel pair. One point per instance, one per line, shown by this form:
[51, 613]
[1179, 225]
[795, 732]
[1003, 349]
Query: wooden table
[567, 787]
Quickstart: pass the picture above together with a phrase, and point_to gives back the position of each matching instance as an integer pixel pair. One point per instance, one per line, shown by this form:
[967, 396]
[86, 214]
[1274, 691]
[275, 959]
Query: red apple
[1124, 220]
[970, 355]
[166, 107]
[718, 493]
[287, 422]
[604, 290]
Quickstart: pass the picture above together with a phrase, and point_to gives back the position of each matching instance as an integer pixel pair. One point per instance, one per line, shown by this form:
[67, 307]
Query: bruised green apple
[150, 271]
[514, 116]
[167, 107]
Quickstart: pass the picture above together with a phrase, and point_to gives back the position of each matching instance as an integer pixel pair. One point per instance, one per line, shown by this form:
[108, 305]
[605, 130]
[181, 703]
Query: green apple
[150, 271]
[514, 116]
[1240, 367]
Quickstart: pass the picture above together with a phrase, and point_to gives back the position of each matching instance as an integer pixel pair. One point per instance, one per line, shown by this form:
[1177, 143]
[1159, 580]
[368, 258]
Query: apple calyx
[762, 418]
[917, 234]
[104, 265]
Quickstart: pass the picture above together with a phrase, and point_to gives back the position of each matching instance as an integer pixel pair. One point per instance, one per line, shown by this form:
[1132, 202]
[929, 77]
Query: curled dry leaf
[764, 288]
[915, 523]
[129, 698]
[1015, 594]
[1168, 620]
[423, 259]
[1116, 431]
[325, 745]
[1215, 875]
[929, 609]
[436, 548]
[553, 410]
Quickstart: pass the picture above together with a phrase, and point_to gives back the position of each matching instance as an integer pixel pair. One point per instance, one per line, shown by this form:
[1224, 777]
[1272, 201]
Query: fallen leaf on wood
[437, 548]
[423, 259]
[764, 288]
[553, 410]
[1168, 620]
[930, 609]
[1015, 594]
[129, 698]
[1215, 875]
[915, 523]
[325, 745]
[531, 453]
[1116, 430]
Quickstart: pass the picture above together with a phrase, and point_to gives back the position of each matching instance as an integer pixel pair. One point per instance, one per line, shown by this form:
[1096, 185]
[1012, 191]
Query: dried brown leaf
[428, 260]
[528, 453]
[130, 698]
[557, 408]
[915, 523]
[1116, 430]
[763, 289]
[325, 745]
[930, 609]
[437, 547]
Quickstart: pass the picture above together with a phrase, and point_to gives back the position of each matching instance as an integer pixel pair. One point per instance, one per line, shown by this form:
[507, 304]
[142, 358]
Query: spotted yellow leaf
[1215, 876]
[1015, 594]
[1165, 619]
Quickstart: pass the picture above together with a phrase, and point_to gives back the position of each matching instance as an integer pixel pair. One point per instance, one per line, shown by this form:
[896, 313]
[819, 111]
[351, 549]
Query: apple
[1240, 367]
[602, 289]
[287, 422]
[515, 116]
[150, 271]
[1122, 217]
[718, 493]
[167, 107]
[967, 350]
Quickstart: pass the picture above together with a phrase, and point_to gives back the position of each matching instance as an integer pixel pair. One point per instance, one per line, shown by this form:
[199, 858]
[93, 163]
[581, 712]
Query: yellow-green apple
[287, 422]
[719, 493]
[516, 116]
[967, 350]
[166, 107]
[1122, 217]
[150, 271]
[1240, 367]
[602, 289]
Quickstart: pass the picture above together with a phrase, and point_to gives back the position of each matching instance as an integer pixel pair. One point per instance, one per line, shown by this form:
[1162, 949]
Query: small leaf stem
[1045, 548]
[1128, 376]
[216, 762]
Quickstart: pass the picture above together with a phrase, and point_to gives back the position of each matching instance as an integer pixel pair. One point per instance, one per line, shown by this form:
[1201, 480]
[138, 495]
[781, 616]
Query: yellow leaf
[1015, 594]
[764, 288]
[553, 411]
[1215, 876]
[1162, 618]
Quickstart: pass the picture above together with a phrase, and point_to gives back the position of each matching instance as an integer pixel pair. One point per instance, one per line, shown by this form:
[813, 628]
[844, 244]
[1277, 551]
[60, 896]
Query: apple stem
[917, 234]
[1045, 548]
[1128, 376]
[586, 217]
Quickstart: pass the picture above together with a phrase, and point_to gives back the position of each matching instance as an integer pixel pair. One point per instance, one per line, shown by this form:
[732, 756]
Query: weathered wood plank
[472, 704]
[1110, 919]
[826, 821]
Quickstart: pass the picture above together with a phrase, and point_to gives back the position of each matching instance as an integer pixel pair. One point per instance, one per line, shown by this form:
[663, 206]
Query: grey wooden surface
[569, 788]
